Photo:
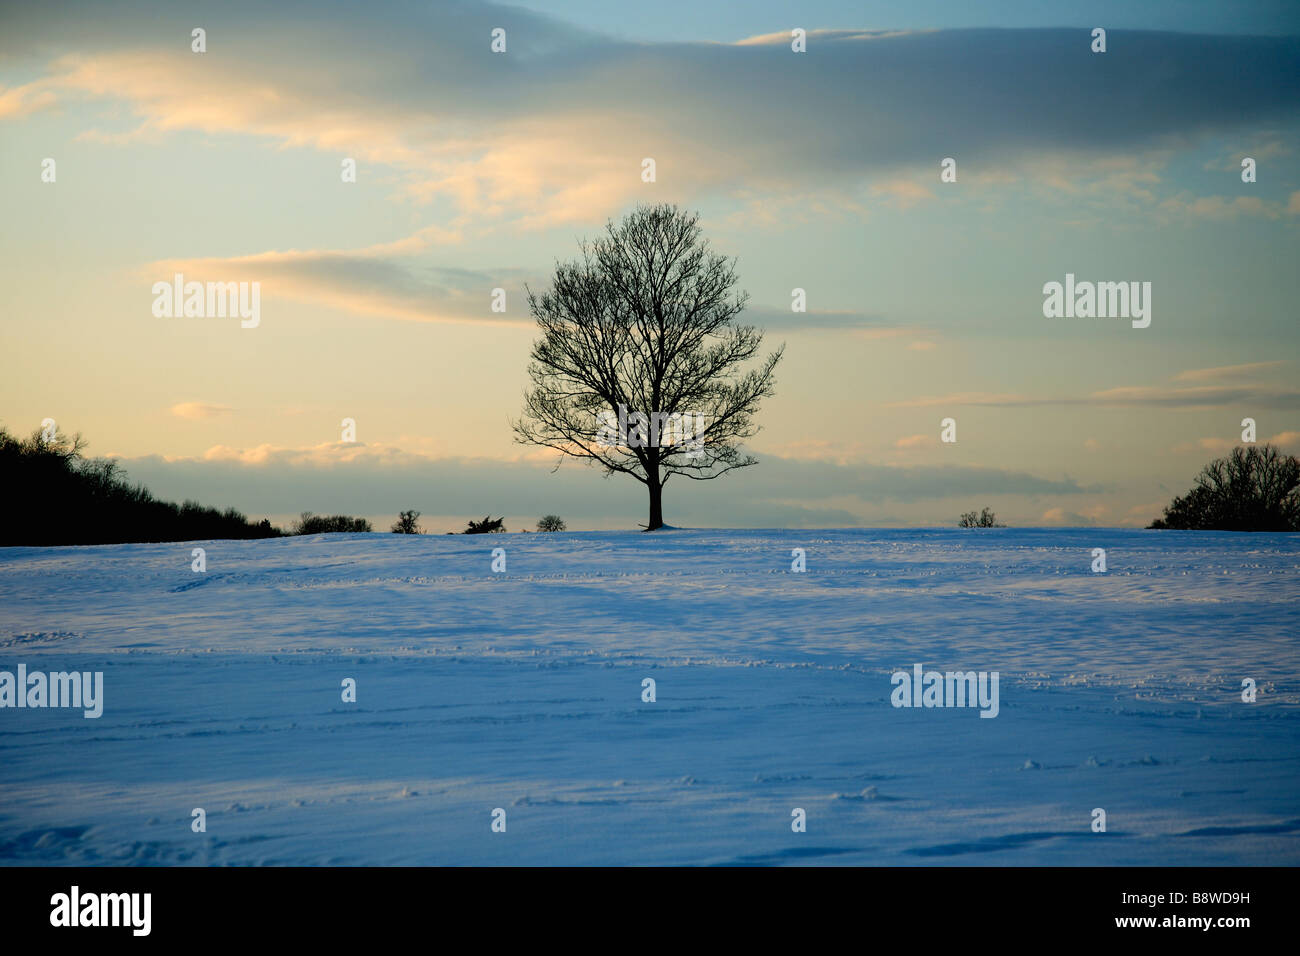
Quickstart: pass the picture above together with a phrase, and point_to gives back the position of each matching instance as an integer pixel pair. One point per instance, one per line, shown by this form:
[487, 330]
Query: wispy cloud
[775, 317]
[1222, 208]
[198, 410]
[1085, 518]
[385, 280]
[1221, 446]
[1206, 396]
[966, 398]
[914, 441]
[1229, 371]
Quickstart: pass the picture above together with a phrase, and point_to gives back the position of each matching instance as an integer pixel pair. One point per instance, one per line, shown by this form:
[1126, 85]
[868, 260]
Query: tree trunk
[656, 504]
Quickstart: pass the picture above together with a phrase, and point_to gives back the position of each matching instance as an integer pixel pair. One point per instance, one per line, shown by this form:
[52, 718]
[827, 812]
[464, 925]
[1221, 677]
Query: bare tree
[406, 523]
[985, 519]
[1255, 488]
[640, 331]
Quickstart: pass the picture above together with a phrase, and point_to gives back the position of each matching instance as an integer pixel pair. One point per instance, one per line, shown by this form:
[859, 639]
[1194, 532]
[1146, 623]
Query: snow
[522, 690]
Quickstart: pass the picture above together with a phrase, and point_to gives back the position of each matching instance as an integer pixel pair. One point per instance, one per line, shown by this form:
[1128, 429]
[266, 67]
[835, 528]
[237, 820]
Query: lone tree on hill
[639, 364]
[1255, 488]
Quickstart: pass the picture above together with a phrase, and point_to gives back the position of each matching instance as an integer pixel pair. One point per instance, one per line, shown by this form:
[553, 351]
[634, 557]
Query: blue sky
[818, 171]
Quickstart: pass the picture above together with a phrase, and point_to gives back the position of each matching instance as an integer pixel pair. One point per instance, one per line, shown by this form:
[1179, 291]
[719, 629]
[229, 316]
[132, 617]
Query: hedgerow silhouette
[61, 497]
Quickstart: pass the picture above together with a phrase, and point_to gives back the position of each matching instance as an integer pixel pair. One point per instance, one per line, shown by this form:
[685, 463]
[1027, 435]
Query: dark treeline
[309, 523]
[58, 496]
[1255, 488]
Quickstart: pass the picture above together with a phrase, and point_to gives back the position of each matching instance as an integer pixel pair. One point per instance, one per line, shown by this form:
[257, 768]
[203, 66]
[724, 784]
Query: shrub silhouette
[405, 523]
[1255, 488]
[551, 523]
[488, 525]
[309, 523]
[63, 498]
[985, 519]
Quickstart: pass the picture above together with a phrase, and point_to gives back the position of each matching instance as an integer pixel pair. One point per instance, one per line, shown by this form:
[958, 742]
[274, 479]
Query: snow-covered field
[523, 691]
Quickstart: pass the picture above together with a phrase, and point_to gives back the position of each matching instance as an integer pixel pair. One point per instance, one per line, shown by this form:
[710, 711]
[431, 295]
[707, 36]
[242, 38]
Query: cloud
[1230, 161]
[197, 410]
[777, 318]
[785, 37]
[386, 280]
[1166, 396]
[553, 131]
[378, 478]
[1207, 396]
[317, 456]
[761, 209]
[914, 441]
[1216, 446]
[20, 101]
[1221, 446]
[324, 455]
[1154, 508]
[1221, 208]
[820, 449]
[1062, 517]
[1228, 371]
[902, 193]
[966, 398]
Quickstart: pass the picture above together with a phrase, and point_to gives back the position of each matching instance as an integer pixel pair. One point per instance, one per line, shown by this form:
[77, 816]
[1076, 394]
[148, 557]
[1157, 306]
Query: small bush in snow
[405, 523]
[551, 523]
[309, 523]
[488, 525]
[985, 519]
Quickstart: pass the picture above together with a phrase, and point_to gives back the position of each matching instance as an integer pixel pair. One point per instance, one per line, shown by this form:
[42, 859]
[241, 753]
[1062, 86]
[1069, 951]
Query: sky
[817, 170]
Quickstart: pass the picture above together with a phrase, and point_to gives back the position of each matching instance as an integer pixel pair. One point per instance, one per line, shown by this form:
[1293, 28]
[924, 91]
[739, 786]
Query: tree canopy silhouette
[309, 523]
[489, 525]
[1255, 488]
[406, 523]
[640, 330]
[62, 497]
[985, 519]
